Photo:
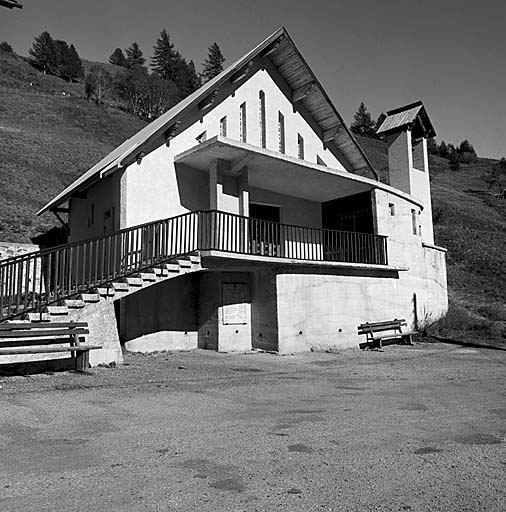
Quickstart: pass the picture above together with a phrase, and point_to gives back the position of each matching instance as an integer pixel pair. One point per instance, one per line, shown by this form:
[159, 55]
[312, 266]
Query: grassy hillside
[49, 136]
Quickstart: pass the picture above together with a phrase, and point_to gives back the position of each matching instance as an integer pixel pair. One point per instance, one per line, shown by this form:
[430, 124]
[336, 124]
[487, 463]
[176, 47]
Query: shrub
[456, 324]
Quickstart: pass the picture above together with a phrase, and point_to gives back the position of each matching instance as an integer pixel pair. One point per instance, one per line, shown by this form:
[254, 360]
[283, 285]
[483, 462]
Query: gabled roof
[413, 116]
[292, 67]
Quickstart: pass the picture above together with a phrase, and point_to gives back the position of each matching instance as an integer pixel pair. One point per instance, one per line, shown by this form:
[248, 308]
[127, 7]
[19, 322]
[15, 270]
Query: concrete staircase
[97, 306]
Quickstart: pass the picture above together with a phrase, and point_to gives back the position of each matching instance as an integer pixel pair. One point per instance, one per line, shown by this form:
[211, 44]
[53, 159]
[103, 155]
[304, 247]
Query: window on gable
[202, 137]
[300, 147]
[320, 161]
[281, 132]
[261, 118]
[223, 126]
[242, 123]
[391, 206]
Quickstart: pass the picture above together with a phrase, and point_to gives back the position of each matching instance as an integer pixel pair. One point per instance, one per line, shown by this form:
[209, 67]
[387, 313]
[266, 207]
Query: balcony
[230, 233]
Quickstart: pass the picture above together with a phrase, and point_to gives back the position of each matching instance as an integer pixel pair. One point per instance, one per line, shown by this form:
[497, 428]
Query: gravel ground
[412, 428]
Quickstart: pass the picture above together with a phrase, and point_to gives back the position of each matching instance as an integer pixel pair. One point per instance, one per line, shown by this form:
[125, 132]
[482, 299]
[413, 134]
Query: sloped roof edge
[116, 158]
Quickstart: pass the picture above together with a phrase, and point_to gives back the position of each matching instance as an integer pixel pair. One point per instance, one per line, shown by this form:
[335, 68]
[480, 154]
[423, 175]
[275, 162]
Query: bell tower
[406, 130]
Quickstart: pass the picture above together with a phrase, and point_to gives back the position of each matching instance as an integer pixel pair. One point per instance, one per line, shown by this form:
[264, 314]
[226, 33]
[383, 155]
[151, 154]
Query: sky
[449, 54]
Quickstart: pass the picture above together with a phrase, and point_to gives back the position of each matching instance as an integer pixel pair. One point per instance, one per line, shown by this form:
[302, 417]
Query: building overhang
[276, 172]
[221, 260]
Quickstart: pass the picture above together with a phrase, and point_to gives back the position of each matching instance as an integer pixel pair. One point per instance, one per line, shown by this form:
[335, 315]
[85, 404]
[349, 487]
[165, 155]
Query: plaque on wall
[235, 303]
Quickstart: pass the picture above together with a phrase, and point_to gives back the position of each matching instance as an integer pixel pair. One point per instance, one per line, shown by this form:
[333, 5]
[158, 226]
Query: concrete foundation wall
[318, 310]
[160, 317]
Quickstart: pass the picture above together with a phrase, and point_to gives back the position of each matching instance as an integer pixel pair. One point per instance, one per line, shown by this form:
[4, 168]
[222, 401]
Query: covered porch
[266, 204]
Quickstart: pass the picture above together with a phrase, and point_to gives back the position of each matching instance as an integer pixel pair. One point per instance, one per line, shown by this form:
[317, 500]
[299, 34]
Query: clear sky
[448, 53]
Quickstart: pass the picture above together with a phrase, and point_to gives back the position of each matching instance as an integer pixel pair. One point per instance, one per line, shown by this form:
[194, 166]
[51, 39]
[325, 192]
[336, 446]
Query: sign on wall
[235, 303]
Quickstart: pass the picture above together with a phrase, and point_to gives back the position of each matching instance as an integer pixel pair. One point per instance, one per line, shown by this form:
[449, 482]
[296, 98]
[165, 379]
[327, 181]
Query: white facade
[255, 140]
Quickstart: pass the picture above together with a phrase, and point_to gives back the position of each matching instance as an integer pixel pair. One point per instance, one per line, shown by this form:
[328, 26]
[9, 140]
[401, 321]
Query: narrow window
[223, 126]
[242, 122]
[414, 222]
[300, 147]
[391, 206]
[320, 161]
[281, 132]
[202, 137]
[261, 118]
[91, 218]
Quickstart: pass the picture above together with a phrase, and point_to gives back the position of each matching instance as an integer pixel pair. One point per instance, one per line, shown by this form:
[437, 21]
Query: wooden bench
[36, 338]
[395, 334]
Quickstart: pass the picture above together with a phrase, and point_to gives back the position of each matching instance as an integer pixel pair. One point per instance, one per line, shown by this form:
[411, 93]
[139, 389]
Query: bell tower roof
[409, 117]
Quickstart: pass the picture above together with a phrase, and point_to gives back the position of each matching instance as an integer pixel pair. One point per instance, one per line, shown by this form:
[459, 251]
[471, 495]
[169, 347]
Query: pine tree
[213, 65]
[118, 58]
[454, 163]
[443, 150]
[43, 53]
[166, 61]
[134, 57]
[68, 64]
[74, 66]
[187, 80]
[363, 124]
[6, 47]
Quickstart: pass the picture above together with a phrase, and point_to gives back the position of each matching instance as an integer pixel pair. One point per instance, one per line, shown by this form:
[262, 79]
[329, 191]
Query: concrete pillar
[244, 193]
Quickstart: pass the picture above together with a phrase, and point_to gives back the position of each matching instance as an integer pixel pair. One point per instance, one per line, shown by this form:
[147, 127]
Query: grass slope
[49, 136]
[48, 139]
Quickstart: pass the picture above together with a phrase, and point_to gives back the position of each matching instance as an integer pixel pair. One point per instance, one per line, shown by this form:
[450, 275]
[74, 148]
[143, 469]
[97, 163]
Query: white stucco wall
[153, 189]
[105, 198]
[293, 210]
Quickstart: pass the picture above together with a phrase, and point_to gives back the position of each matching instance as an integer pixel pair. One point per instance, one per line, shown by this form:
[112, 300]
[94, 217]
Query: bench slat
[373, 324]
[47, 350]
[34, 333]
[40, 325]
[28, 342]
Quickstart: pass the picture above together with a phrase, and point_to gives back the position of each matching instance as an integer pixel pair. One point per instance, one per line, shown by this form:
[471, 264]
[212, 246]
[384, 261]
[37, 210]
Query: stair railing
[33, 281]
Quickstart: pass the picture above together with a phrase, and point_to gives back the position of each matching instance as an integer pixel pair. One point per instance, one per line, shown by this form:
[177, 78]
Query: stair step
[121, 287]
[74, 303]
[36, 317]
[172, 267]
[57, 310]
[90, 297]
[160, 271]
[147, 276]
[194, 258]
[184, 263]
[105, 291]
[133, 281]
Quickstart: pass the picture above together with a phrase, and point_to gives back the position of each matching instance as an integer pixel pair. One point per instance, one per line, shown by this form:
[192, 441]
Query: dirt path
[412, 428]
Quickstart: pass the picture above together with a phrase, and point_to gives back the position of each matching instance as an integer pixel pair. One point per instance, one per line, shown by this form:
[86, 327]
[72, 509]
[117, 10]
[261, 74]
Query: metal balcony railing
[33, 281]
